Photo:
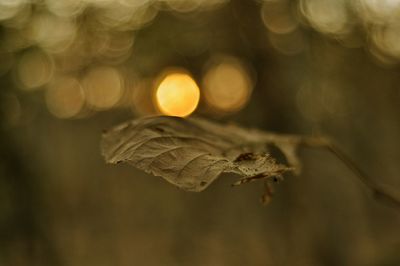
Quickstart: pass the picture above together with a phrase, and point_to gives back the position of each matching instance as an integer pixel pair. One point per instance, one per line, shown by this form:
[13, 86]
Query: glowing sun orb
[177, 94]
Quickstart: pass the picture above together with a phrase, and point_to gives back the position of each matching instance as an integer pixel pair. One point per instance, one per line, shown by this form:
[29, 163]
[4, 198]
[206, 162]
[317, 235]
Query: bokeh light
[70, 8]
[34, 69]
[51, 32]
[117, 47]
[126, 15]
[21, 18]
[387, 39]
[291, 43]
[327, 16]
[64, 97]
[378, 11]
[10, 8]
[278, 16]
[227, 84]
[177, 94]
[103, 87]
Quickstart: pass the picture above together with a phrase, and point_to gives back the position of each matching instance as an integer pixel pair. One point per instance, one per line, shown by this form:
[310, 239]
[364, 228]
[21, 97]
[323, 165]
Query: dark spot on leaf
[203, 183]
[245, 157]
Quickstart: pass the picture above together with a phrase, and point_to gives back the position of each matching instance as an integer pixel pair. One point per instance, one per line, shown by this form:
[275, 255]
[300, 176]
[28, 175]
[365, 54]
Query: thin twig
[378, 193]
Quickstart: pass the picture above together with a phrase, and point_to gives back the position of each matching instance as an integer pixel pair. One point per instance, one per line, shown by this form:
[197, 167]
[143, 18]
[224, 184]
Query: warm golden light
[177, 95]
[117, 47]
[327, 16]
[277, 17]
[102, 87]
[52, 33]
[378, 11]
[70, 8]
[65, 98]
[227, 85]
[34, 69]
[9, 9]
[387, 39]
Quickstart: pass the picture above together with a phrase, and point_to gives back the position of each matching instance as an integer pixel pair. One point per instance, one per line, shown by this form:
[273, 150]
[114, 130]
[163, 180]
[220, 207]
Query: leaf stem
[377, 191]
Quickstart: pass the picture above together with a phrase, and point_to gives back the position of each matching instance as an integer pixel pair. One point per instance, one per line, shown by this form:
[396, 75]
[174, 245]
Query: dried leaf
[192, 153]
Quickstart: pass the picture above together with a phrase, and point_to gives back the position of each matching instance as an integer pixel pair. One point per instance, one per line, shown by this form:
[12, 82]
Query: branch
[377, 192]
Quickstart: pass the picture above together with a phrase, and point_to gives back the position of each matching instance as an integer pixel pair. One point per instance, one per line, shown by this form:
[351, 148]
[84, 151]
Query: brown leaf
[192, 153]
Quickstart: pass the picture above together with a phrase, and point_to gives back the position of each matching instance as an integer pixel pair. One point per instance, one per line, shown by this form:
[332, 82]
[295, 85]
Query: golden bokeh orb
[34, 69]
[177, 94]
[65, 98]
[227, 85]
[103, 87]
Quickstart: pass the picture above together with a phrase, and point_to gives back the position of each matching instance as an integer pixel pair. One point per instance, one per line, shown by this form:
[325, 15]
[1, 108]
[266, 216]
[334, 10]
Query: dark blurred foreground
[70, 69]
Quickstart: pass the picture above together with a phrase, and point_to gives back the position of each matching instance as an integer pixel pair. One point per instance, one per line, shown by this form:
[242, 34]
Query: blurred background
[71, 68]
